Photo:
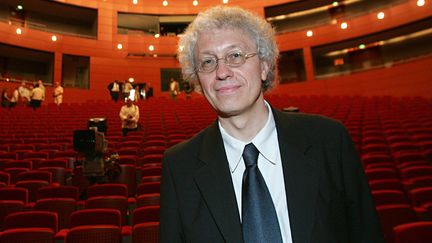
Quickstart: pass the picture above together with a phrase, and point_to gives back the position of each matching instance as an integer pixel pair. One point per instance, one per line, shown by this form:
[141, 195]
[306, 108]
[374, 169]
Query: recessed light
[344, 25]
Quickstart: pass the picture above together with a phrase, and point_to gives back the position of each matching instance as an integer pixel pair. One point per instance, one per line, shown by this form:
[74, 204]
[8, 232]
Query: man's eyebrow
[227, 48]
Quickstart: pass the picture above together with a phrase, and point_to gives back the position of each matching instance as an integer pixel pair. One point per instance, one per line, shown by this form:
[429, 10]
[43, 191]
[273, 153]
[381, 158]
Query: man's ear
[264, 70]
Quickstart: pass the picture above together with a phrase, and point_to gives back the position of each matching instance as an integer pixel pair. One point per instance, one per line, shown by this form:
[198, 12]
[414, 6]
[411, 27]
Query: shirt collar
[262, 141]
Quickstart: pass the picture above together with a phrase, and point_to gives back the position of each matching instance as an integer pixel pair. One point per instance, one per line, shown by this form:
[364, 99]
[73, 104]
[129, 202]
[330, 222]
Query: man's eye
[235, 57]
[207, 62]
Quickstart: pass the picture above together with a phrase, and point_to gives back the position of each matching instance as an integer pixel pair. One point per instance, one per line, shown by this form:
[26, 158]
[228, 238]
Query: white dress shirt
[270, 165]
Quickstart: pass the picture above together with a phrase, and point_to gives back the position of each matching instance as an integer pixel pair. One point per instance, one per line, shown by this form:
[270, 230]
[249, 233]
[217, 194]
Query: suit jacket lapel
[301, 177]
[215, 183]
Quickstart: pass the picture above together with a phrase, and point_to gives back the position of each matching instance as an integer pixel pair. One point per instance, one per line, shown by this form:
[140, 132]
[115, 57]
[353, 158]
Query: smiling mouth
[228, 89]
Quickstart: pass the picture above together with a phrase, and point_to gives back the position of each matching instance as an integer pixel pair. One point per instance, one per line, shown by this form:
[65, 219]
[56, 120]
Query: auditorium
[89, 111]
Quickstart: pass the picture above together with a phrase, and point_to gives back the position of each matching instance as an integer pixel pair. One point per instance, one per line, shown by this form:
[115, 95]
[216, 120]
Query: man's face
[230, 90]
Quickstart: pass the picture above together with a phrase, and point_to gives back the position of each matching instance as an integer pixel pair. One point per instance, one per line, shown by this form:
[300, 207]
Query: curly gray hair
[220, 17]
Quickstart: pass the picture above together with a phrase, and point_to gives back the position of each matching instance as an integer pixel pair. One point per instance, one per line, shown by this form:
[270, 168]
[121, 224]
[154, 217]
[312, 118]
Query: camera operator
[129, 114]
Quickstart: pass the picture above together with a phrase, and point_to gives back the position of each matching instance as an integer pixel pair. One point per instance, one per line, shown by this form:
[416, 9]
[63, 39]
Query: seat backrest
[420, 196]
[34, 175]
[145, 232]
[148, 187]
[58, 174]
[32, 155]
[152, 199]
[96, 216]
[128, 178]
[32, 186]
[7, 207]
[64, 207]
[151, 171]
[386, 184]
[415, 171]
[53, 163]
[14, 193]
[109, 189]
[393, 215]
[5, 177]
[92, 234]
[386, 197]
[416, 232]
[111, 202]
[58, 192]
[28, 219]
[33, 234]
[146, 214]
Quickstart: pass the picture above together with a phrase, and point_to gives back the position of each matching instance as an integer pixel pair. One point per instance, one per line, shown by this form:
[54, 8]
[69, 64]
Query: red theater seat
[27, 235]
[416, 232]
[94, 233]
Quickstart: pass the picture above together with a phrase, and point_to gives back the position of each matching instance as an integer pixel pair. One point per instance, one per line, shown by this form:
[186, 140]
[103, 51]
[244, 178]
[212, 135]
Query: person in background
[114, 89]
[14, 99]
[24, 93]
[42, 87]
[129, 115]
[174, 88]
[137, 95]
[149, 92]
[37, 96]
[58, 94]
[258, 174]
[127, 87]
[5, 98]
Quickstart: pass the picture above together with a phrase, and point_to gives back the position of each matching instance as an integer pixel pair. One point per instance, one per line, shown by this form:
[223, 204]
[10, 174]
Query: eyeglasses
[232, 59]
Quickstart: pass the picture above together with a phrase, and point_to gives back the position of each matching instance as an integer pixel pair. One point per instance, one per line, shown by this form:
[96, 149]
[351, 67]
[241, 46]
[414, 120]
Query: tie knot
[250, 155]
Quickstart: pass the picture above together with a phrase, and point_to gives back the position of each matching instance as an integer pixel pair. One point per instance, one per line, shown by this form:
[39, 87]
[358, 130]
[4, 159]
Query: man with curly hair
[257, 174]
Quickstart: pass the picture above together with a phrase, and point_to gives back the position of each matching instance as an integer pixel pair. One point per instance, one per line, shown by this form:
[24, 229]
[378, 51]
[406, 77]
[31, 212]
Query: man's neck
[247, 125]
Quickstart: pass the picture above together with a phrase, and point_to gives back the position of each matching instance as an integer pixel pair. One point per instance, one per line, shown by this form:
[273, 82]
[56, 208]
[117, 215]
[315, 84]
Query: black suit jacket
[327, 193]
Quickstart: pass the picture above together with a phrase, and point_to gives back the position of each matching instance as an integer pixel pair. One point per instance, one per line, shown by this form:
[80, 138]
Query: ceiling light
[343, 25]
[54, 38]
[420, 3]
[157, 35]
[18, 31]
[131, 79]
[135, 2]
[309, 33]
[380, 15]
[362, 46]
[19, 7]
[165, 3]
[224, 1]
[151, 48]
[195, 3]
[119, 46]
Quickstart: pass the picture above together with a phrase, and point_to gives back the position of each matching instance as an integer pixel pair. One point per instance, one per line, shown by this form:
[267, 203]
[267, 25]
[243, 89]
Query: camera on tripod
[92, 145]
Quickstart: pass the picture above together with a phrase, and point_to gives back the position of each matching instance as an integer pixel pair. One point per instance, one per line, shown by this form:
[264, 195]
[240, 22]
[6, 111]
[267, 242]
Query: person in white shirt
[37, 96]
[257, 174]
[24, 93]
[42, 87]
[129, 115]
[174, 88]
[127, 87]
[58, 94]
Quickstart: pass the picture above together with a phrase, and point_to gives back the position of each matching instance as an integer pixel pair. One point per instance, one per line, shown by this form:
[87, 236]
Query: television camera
[92, 146]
